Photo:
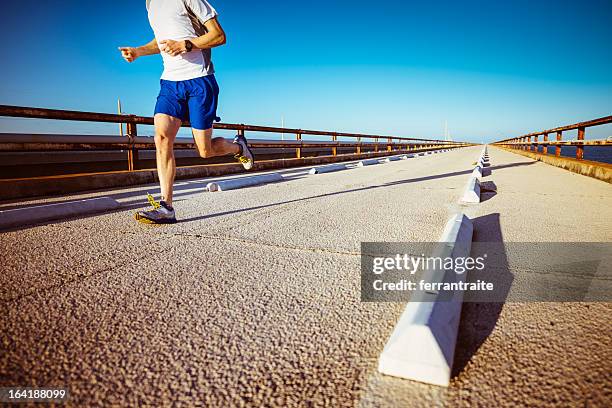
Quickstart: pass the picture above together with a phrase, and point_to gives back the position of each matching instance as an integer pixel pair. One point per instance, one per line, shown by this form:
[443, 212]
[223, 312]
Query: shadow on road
[488, 190]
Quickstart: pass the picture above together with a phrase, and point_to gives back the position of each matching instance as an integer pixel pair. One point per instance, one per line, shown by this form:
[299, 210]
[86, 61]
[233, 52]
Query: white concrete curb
[422, 345]
[472, 191]
[368, 162]
[389, 159]
[49, 212]
[240, 182]
[327, 169]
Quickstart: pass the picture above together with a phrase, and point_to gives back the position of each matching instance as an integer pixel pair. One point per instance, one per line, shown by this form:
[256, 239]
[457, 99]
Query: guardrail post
[580, 148]
[334, 149]
[376, 145]
[132, 133]
[359, 145]
[298, 151]
[558, 147]
[545, 145]
[536, 147]
[389, 142]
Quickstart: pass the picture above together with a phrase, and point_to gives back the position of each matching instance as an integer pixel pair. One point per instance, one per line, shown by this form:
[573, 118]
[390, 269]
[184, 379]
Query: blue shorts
[193, 100]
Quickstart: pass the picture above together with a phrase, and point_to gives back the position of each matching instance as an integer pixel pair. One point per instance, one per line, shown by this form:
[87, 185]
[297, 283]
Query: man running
[185, 32]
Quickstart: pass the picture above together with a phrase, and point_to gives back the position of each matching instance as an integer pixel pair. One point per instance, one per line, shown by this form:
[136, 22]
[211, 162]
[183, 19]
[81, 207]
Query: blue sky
[491, 69]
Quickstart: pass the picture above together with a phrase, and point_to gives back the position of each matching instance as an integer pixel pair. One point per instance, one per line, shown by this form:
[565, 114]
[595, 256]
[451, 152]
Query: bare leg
[209, 147]
[166, 128]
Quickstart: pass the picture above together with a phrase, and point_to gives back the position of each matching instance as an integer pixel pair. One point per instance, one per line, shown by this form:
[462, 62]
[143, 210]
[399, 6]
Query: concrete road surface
[253, 298]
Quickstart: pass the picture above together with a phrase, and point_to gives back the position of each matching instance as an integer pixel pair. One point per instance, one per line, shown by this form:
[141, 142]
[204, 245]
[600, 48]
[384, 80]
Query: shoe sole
[145, 220]
[252, 160]
[251, 153]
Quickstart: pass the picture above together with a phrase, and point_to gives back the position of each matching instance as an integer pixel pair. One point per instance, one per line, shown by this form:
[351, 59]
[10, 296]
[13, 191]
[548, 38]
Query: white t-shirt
[182, 20]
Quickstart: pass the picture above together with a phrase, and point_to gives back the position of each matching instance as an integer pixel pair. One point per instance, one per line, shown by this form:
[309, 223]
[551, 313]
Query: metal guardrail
[133, 143]
[531, 142]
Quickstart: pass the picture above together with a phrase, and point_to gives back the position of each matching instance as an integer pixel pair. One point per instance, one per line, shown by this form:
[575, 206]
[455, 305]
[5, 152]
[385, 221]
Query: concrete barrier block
[389, 159]
[477, 172]
[407, 156]
[50, 212]
[240, 182]
[327, 169]
[422, 345]
[368, 162]
[472, 191]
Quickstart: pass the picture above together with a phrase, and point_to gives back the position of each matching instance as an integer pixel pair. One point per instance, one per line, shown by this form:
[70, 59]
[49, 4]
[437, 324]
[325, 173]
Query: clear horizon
[491, 71]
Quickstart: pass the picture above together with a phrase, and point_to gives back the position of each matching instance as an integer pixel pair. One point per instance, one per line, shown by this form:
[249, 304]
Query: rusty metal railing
[531, 142]
[133, 143]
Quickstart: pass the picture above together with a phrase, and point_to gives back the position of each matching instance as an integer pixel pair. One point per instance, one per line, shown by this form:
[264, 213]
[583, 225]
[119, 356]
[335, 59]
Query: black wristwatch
[188, 45]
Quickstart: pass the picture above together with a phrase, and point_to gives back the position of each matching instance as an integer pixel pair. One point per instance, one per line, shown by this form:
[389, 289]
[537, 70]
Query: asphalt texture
[253, 298]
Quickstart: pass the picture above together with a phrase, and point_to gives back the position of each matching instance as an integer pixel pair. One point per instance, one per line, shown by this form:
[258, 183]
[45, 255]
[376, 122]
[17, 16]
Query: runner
[185, 32]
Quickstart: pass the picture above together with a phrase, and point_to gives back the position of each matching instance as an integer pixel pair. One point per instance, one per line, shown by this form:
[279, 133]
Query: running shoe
[161, 213]
[245, 156]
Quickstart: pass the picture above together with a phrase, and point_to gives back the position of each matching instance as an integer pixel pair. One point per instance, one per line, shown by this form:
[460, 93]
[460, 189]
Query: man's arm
[214, 37]
[131, 53]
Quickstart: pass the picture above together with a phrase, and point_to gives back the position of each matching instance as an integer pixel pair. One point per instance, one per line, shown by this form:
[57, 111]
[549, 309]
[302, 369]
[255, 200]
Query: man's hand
[129, 53]
[172, 47]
